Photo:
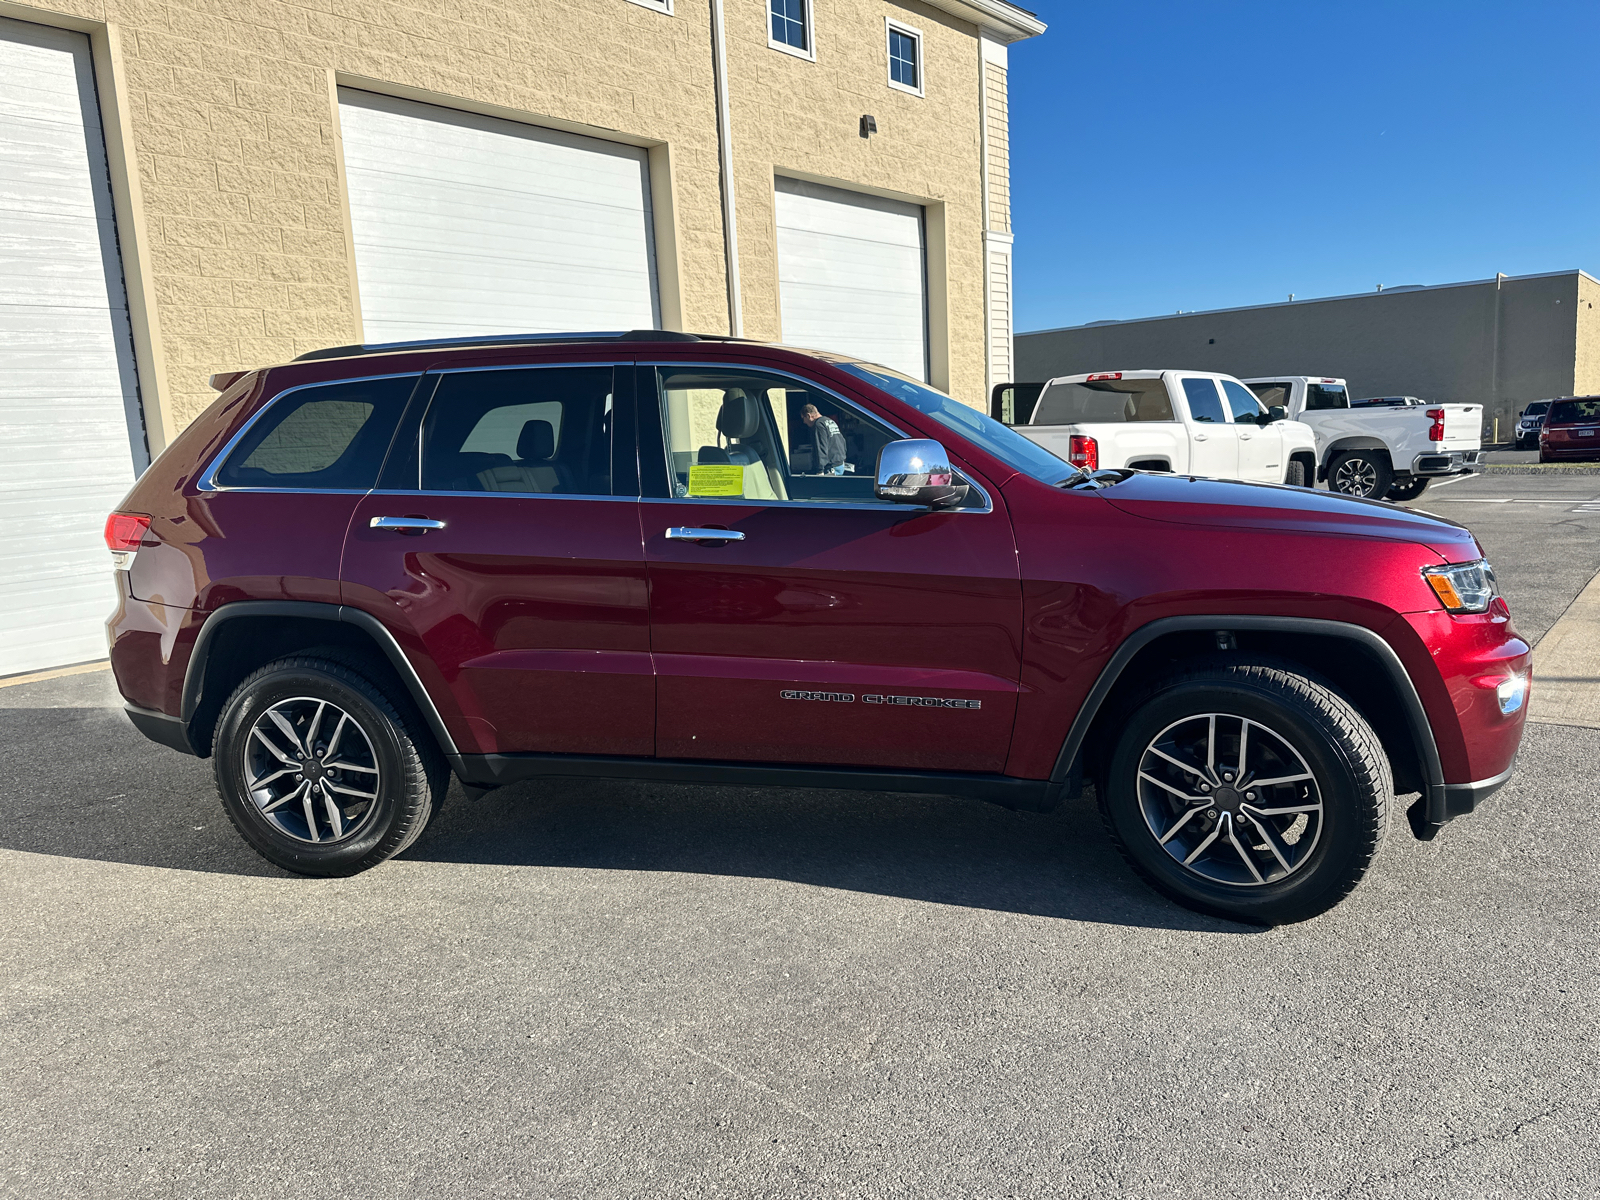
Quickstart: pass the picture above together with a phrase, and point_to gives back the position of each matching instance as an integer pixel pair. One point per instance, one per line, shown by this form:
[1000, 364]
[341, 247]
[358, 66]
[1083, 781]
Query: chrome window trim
[874, 506]
[422, 424]
[508, 495]
[208, 480]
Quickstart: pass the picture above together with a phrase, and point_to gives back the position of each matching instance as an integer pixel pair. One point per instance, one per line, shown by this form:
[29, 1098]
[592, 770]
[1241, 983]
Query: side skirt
[496, 770]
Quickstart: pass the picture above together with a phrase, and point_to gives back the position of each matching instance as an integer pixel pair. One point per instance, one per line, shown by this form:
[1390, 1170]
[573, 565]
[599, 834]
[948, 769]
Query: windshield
[1536, 408]
[983, 431]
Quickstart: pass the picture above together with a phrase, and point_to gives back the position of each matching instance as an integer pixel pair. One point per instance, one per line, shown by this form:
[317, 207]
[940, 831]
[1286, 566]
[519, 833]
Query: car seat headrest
[537, 441]
[739, 416]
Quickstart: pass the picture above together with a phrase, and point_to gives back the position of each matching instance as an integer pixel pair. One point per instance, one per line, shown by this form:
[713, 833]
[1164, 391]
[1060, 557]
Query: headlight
[1463, 587]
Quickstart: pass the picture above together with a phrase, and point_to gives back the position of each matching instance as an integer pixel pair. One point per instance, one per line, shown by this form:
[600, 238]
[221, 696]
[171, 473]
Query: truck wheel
[1360, 473]
[1249, 791]
[1295, 476]
[1409, 488]
[319, 771]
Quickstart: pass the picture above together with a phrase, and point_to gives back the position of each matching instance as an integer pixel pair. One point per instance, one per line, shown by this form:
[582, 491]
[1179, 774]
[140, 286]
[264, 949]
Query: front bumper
[1453, 462]
[1451, 801]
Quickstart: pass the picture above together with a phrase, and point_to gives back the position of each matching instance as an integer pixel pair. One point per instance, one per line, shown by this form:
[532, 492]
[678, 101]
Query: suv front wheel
[320, 772]
[1248, 791]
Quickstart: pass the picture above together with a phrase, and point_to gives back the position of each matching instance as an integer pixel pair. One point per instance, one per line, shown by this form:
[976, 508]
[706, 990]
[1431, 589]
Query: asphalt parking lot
[598, 989]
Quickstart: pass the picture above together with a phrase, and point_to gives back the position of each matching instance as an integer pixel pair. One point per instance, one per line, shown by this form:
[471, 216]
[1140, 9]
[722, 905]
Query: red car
[1571, 429]
[613, 555]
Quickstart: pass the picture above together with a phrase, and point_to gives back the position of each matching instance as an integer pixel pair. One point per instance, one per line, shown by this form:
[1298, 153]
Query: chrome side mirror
[918, 471]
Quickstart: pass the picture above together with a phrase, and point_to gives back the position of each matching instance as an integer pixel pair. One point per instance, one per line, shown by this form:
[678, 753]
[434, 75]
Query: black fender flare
[194, 675]
[1427, 815]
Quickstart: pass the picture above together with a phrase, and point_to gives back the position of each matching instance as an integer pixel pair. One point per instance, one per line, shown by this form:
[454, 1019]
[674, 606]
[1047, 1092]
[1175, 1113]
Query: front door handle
[1200, 437]
[1245, 437]
[683, 533]
[405, 524]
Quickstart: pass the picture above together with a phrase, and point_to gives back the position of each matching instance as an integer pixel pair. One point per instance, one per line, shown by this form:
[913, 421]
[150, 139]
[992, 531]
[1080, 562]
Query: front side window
[331, 437]
[1205, 405]
[532, 431]
[1246, 409]
[791, 25]
[734, 434]
[1322, 395]
[1103, 402]
[905, 59]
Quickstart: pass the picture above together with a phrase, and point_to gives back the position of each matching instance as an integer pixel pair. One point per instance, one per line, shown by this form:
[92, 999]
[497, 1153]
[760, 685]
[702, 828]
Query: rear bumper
[1586, 450]
[1452, 462]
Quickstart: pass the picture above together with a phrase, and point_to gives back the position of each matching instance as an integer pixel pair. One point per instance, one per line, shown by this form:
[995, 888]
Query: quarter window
[535, 431]
[905, 58]
[332, 437]
[790, 26]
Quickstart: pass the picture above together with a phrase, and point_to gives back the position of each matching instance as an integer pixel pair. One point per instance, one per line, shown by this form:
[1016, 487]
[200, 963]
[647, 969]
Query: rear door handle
[406, 524]
[683, 533]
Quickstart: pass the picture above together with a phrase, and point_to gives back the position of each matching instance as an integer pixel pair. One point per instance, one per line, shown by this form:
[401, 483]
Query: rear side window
[1205, 405]
[531, 431]
[1103, 402]
[1273, 393]
[1323, 395]
[328, 437]
[1574, 410]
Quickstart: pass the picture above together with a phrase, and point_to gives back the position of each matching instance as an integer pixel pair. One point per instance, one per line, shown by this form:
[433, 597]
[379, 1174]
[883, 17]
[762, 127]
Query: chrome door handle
[405, 524]
[682, 533]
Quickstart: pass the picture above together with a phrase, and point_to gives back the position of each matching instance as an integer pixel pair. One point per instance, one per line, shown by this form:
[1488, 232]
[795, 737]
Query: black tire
[1351, 785]
[1295, 476]
[377, 740]
[1410, 488]
[1363, 473]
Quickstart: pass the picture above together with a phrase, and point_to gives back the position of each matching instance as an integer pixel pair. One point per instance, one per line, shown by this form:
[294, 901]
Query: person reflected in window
[828, 442]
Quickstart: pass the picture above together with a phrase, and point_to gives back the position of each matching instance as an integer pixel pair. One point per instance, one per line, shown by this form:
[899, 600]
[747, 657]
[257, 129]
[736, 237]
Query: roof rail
[498, 339]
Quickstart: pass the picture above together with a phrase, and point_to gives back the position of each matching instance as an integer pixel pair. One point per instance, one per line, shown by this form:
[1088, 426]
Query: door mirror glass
[1275, 412]
[918, 471]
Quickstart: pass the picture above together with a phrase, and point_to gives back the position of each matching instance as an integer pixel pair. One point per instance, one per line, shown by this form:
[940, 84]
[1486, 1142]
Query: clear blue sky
[1194, 155]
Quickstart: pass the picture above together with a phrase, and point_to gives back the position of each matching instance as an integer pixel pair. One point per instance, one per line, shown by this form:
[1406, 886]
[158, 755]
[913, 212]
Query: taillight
[1436, 430]
[1104, 375]
[1084, 451]
[125, 531]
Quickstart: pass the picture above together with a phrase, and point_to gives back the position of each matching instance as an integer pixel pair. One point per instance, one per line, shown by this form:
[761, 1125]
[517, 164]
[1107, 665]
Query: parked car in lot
[1387, 402]
[1528, 422]
[1571, 430]
[1381, 449]
[590, 555]
[1187, 422]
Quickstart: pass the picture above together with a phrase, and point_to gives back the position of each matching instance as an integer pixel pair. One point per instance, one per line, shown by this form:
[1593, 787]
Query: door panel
[839, 630]
[1213, 440]
[531, 596]
[1260, 446]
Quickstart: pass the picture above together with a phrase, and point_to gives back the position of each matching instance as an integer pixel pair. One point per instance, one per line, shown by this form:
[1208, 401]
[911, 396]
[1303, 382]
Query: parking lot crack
[777, 1097]
[1432, 1158]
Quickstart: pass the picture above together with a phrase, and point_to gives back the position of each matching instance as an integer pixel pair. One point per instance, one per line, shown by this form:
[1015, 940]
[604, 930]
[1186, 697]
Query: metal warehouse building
[1497, 342]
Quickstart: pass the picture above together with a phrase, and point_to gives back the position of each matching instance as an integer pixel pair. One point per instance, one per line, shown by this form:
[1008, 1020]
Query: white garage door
[851, 275]
[471, 225]
[70, 433]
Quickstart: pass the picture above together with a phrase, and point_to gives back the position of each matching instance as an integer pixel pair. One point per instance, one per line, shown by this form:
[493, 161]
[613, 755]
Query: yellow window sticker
[716, 479]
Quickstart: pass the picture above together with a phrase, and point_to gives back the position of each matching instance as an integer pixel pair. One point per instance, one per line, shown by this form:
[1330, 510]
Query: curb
[1541, 469]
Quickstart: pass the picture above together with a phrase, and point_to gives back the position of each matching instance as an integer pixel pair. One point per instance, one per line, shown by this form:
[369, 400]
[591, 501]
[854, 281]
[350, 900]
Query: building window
[663, 6]
[905, 58]
[791, 27]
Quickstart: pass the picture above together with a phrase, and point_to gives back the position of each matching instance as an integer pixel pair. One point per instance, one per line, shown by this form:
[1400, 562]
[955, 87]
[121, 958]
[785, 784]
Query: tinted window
[1205, 405]
[1573, 410]
[1241, 403]
[330, 437]
[1536, 409]
[1103, 402]
[1323, 395]
[533, 431]
[1273, 393]
[738, 434]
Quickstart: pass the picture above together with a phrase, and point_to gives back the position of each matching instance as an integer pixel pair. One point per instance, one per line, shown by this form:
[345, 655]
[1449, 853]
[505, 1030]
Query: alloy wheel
[1356, 477]
[1230, 799]
[311, 770]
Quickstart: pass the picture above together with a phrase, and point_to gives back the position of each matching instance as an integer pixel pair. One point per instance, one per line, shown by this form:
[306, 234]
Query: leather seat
[536, 446]
[738, 419]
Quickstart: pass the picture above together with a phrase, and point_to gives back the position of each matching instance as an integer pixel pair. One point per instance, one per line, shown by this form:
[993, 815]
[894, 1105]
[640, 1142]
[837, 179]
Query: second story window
[791, 26]
[905, 58]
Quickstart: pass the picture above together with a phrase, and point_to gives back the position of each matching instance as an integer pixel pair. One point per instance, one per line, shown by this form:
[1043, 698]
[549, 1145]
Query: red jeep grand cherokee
[636, 555]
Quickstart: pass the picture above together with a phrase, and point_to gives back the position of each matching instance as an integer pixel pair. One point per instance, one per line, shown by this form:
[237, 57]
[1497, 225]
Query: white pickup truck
[1187, 422]
[1377, 450]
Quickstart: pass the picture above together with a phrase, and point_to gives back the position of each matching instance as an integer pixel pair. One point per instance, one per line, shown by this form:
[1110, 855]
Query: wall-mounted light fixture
[869, 126]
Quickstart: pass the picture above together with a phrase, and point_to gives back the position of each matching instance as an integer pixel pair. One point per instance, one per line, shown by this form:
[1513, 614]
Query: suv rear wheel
[1248, 791]
[320, 772]
[1360, 473]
